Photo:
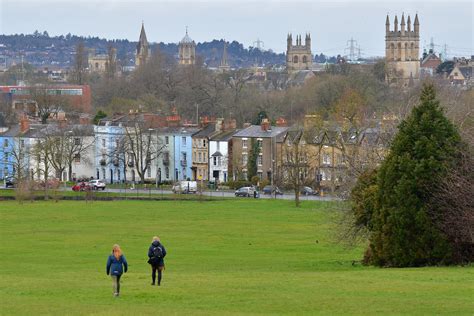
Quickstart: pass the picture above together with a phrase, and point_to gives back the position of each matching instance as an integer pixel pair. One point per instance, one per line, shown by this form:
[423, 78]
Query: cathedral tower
[402, 49]
[187, 50]
[298, 57]
[143, 50]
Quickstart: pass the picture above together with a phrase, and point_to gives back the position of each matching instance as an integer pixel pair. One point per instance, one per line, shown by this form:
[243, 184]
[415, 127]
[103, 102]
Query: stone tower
[143, 50]
[224, 65]
[298, 57]
[402, 50]
[187, 50]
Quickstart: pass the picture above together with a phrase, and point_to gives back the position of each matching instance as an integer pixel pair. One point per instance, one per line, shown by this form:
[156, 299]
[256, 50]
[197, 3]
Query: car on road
[308, 191]
[268, 190]
[97, 184]
[81, 186]
[10, 182]
[245, 191]
[185, 187]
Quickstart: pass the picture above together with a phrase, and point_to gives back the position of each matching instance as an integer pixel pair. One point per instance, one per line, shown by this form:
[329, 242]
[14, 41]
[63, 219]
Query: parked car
[97, 184]
[10, 182]
[245, 191]
[185, 187]
[268, 190]
[308, 191]
[81, 186]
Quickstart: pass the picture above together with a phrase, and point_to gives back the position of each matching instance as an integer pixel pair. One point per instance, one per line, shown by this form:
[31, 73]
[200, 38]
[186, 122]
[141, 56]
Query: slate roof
[224, 136]
[255, 131]
[206, 131]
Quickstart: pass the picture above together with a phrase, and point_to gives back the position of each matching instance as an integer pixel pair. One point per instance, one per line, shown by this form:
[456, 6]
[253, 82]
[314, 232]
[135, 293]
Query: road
[228, 194]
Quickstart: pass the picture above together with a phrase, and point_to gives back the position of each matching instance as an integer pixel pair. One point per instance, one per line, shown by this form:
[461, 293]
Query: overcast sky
[331, 23]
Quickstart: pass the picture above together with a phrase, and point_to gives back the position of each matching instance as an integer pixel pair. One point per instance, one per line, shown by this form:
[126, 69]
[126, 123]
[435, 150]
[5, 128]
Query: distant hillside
[40, 49]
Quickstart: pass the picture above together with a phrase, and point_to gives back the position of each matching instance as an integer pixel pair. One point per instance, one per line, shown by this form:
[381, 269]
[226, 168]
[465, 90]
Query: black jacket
[153, 245]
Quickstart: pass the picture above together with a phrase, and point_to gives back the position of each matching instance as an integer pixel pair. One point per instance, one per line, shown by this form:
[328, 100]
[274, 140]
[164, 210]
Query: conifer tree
[424, 150]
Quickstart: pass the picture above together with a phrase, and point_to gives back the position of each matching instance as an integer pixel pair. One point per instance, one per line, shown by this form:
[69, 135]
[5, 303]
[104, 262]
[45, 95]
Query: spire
[387, 25]
[143, 35]
[403, 23]
[416, 25]
[396, 24]
[409, 24]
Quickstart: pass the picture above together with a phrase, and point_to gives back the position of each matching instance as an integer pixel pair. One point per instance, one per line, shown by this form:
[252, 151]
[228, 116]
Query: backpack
[157, 252]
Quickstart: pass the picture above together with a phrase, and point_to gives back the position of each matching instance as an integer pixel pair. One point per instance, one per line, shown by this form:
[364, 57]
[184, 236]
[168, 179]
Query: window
[259, 143]
[244, 143]
[200, 157]
[244, 159]
[204, 143]
[326, 159]
[183, 141]
[295, 59]
[260, 175]
[259, 160]
[167, 172]
[117, 143]
[22, 143]
[305, 59]
[77, 158]
[103, 142]
[5, 157]
[77, 141]
[148, 172]
[214, 161]
[5, 143]
[183, 155]
[167, 140]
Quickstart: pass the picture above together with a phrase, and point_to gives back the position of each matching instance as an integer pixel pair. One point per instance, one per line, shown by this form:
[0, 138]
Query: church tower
[143, 50]
[224, 65]
[298, 57]
[402, 50]
[187, 50]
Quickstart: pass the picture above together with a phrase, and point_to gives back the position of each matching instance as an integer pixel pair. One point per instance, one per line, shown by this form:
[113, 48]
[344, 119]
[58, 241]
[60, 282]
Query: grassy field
[225, 257]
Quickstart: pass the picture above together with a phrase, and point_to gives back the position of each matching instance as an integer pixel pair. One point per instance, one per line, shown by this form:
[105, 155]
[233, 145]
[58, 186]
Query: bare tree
[297, 168]
[140, 146]
[20, 157]
[80, 64]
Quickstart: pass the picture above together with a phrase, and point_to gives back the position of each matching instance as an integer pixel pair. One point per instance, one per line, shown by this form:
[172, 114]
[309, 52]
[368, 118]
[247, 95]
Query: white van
[185, 187]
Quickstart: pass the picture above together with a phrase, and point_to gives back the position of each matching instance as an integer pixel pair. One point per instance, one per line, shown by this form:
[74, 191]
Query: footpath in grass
[225, 257]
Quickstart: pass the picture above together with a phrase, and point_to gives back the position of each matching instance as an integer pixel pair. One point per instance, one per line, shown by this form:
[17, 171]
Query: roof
[255, 131]
[217, 154]
[224, 136]
[466, 71]
[186, 39]
[206, 131]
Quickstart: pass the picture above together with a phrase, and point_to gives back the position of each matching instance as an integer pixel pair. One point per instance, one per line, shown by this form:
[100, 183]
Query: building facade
[299, 56]
[402, 51]
[187, 50]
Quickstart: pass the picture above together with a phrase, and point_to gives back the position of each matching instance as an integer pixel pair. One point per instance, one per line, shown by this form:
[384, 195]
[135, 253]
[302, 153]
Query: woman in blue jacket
[156, 255]
[116, 266]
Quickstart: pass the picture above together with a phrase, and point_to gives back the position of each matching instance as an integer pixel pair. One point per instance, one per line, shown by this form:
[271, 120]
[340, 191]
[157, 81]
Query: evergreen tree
[252, 161]
[424, 150]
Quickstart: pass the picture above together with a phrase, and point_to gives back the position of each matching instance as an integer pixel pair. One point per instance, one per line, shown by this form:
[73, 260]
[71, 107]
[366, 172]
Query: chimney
[220, 125]
[230, 124]
[265, 125]
[281, 122]
[24, 124]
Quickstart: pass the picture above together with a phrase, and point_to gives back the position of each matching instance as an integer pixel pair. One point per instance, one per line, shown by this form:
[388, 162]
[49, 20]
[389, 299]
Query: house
[200, 152]
[429, 64]
[261, 138]
[220, 150]
[182, 139]
[461, 74]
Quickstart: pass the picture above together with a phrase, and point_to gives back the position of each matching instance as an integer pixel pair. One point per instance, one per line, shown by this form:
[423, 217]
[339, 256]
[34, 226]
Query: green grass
[225, 258]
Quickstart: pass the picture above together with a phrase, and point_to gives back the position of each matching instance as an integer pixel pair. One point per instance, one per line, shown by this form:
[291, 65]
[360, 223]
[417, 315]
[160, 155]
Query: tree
[47, 102]
[252, 160]
[100, 115]
[140, 145]
[297, 168]
[404, 231]
[80, 64]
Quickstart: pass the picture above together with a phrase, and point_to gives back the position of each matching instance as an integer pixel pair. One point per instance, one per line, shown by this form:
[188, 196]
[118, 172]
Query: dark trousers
[155, 268]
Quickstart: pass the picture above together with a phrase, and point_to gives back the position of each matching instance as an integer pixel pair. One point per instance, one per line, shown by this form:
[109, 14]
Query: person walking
[116, 266]
[156, 255]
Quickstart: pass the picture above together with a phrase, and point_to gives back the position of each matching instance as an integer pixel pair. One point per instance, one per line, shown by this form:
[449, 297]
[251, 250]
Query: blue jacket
[150, 252]
[116, 267]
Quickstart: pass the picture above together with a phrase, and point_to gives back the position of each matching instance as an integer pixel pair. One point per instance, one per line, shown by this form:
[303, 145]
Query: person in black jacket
[156, 255]
[116, 266]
